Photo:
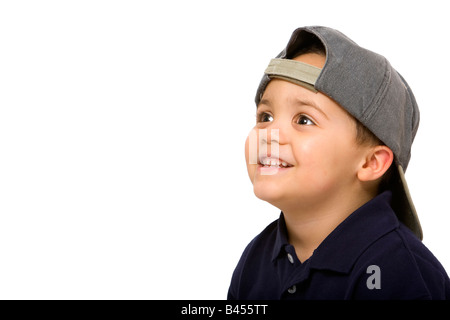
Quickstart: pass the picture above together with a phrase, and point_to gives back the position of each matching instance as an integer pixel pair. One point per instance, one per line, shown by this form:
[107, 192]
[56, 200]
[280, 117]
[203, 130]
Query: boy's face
[318, 153]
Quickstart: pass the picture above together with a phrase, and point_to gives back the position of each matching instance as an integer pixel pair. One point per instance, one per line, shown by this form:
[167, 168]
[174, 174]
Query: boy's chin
[267, 193]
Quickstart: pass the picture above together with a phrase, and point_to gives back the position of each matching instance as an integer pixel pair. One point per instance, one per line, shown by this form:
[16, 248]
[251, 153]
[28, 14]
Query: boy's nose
[276, 133]
[269, 136]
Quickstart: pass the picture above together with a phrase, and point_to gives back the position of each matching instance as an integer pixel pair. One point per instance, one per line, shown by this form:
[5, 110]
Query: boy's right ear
[376, 163]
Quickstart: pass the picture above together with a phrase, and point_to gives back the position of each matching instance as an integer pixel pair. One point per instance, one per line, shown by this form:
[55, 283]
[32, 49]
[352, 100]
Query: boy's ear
[376, 163]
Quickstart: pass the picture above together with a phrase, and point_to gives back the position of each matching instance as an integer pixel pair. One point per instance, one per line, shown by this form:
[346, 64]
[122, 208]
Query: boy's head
[333, 121]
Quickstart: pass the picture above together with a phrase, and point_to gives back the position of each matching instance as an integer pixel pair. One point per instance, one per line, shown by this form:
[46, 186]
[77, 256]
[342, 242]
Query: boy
[335, 124]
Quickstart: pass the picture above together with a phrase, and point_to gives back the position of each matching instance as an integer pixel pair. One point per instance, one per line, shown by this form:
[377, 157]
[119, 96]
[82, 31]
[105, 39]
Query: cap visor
[402, 203]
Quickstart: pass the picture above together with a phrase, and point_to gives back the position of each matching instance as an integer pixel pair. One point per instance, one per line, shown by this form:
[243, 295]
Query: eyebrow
[264, 101]
[312, 104]
[298, 101]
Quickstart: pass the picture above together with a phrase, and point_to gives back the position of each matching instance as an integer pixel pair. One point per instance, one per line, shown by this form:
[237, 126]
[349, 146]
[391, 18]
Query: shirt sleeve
[234, 291]
[399, 272]
[388, 286]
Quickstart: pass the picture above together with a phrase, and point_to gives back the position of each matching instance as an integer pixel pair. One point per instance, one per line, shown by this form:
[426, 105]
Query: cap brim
[402, 202]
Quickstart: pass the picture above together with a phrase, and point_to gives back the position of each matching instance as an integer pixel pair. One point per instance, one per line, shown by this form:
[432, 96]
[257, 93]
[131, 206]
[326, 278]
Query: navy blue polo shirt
[370, 255]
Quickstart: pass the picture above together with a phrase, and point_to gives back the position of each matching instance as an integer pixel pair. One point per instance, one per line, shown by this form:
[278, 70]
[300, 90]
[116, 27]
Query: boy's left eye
[264, 117]
[305, 121]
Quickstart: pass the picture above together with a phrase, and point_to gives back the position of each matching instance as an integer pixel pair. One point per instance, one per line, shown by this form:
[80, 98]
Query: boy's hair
[363, 135]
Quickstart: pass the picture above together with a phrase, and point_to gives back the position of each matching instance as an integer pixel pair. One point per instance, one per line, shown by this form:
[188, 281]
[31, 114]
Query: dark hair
[309, 43]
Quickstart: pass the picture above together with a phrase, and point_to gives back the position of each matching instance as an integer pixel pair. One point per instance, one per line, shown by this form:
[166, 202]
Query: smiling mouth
[269, 162]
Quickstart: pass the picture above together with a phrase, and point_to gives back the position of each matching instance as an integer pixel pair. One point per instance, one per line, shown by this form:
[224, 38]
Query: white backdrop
[122, 129]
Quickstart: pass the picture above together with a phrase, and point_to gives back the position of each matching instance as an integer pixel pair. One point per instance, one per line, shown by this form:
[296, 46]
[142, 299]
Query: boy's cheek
[250, 167]
[246, 150]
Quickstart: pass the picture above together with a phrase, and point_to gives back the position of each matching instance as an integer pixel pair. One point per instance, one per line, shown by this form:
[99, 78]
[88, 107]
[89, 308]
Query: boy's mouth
[270, 162]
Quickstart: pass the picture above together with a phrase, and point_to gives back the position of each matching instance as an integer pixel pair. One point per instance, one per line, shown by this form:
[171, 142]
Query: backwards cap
[365, 84]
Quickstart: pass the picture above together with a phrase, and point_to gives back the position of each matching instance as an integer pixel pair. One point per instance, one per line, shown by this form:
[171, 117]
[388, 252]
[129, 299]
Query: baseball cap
[369, 88]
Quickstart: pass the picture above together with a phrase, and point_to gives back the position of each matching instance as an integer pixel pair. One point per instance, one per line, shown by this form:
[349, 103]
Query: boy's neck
[308, 227]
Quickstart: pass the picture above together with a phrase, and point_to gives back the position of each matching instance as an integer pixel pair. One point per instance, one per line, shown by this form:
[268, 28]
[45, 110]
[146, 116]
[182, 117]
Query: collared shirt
[370, 255]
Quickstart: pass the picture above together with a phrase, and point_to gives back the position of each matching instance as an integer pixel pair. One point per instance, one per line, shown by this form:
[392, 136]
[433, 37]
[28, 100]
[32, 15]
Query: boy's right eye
[264, 117]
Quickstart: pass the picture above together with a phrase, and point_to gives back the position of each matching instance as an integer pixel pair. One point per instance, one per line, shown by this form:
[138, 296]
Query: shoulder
[256, 252]
[262, 241]
[399, 266]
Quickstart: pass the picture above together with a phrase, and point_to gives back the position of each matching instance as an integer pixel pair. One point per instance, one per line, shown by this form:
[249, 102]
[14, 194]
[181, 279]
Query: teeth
[274, 163]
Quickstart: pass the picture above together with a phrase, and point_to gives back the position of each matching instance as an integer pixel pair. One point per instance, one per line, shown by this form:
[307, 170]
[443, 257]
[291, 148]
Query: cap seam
[375, 104]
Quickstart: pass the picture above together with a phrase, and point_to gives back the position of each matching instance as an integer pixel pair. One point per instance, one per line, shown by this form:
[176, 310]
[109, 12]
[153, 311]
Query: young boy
[335, 124]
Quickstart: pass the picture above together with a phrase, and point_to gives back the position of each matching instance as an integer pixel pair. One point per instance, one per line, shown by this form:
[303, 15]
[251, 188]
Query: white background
[122, 129]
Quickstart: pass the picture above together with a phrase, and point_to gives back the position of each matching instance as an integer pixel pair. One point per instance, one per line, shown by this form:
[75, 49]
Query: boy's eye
[305, 121]
[264, 117]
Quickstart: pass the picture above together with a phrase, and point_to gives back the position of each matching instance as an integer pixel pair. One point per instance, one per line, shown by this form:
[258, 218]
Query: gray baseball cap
[369, 88]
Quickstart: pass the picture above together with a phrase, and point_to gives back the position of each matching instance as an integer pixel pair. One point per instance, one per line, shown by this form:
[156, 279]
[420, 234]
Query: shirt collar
[340, 249]
[281, 239]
